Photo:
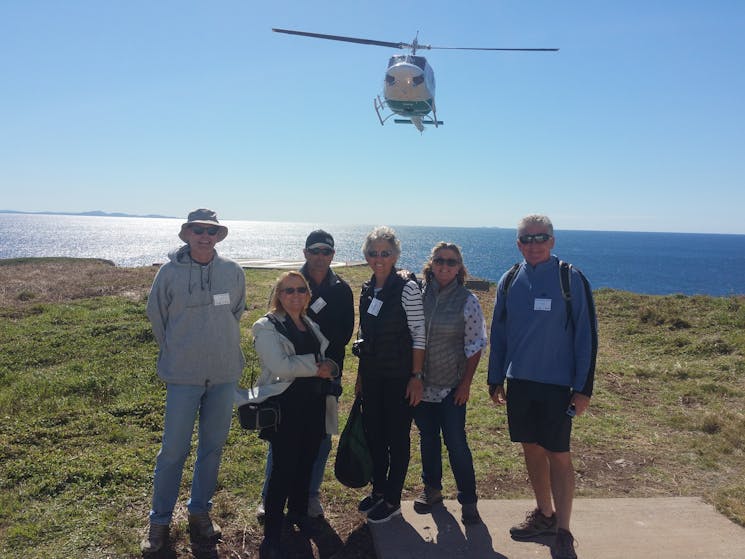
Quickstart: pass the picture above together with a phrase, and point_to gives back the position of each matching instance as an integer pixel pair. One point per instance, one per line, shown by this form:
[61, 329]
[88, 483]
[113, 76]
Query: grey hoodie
[195, 313]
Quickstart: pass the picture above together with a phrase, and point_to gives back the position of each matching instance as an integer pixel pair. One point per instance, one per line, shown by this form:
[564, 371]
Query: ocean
[650, 263]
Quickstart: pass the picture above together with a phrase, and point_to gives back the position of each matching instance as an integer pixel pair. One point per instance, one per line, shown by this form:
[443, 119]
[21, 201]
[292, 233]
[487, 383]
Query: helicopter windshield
[419, 61]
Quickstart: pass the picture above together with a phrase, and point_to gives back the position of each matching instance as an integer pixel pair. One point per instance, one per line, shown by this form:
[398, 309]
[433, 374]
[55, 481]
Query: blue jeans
[214, 404]
[450, 419]
[316, 477]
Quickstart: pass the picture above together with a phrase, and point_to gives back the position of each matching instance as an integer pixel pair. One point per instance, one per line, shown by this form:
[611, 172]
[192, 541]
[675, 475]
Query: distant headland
[96, 213]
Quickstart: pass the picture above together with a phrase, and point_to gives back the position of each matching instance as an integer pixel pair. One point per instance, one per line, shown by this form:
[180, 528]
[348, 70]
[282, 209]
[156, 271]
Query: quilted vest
[387, 338]
[444, 359]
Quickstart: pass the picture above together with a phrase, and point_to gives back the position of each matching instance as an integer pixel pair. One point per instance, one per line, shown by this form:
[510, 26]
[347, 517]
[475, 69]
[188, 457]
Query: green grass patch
[82, 412]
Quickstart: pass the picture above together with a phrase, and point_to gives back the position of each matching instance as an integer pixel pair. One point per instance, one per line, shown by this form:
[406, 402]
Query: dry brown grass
[25, 283]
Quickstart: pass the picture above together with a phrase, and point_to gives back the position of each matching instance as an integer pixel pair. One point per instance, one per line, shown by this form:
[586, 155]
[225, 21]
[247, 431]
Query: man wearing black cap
[332, 308]
[194, 307]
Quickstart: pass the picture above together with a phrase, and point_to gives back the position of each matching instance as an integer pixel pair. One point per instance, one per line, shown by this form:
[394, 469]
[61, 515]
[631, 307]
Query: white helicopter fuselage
[409, 86]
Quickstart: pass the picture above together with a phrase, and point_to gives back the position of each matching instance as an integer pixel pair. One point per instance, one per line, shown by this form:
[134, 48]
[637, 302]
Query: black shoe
[563, 546]
[535, 524]
[383, 512]
[427, 499]
[469, 514]
[368, 503]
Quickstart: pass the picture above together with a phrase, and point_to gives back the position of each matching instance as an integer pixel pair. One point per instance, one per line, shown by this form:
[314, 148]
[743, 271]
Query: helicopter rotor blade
[345, 39]
[487, 48]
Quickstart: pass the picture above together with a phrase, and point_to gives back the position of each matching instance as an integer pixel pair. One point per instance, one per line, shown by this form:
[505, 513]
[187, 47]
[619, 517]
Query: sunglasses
[291, 290]
[211, 231]
[324, 251]
[537, 238]
[452, 262]
[382, 253]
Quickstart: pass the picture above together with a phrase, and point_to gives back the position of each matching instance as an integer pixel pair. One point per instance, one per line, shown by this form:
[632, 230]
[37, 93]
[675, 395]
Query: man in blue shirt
[544, 342]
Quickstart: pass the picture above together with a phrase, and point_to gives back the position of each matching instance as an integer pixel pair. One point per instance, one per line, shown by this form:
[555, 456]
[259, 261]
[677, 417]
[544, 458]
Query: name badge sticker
[542, 305]
[374, 307]
[221, 299]
[317, 305]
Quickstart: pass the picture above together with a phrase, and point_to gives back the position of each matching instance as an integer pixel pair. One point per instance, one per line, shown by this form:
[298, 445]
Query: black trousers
[387, 416]
[294, 449]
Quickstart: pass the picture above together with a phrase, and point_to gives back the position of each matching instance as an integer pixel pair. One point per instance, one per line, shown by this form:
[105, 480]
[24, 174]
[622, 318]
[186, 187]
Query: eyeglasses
[537, 238]
[211, 231]
[324, 251]
[452, 262]
[291, 290]
[382, 253]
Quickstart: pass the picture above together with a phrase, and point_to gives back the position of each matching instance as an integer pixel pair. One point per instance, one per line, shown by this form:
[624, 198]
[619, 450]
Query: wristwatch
[418, 375]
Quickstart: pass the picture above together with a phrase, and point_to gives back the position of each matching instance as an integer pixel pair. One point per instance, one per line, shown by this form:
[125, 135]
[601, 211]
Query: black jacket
[336, 317]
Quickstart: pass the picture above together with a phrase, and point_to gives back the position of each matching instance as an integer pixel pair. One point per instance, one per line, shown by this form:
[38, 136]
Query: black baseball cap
[319, 239]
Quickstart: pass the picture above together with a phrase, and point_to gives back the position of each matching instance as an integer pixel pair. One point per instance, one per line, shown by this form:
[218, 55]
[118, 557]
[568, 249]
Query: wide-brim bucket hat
[205, 217]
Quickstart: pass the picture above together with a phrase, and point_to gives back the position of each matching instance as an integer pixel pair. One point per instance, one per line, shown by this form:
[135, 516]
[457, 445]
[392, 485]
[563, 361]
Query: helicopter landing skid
[424, 121]
[380, 105]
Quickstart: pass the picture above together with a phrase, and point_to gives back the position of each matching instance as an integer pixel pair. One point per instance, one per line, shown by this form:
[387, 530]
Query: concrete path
[658, 528]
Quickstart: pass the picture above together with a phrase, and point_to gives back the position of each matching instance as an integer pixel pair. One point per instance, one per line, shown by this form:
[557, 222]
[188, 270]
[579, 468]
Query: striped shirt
[411, 301]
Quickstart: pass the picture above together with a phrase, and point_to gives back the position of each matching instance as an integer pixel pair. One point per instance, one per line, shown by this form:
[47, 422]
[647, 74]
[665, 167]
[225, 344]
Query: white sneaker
[260, 511]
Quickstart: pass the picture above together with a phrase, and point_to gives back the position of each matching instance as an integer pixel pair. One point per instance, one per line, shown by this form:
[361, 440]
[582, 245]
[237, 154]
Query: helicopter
[409, 84]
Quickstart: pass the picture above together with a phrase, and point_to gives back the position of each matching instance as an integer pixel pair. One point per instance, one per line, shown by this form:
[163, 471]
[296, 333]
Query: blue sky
[638, 123]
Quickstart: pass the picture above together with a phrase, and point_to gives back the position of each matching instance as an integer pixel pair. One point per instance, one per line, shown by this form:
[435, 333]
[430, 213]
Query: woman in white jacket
[291, 349]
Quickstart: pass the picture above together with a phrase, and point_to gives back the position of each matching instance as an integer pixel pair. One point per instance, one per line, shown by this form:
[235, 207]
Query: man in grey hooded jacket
[195, 306]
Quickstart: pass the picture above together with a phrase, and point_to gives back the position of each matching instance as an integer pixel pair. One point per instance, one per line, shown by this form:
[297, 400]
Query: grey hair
[535, 219]
[382, 233]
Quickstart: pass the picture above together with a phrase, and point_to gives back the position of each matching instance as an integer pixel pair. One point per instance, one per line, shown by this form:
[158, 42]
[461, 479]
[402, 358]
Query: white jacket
[280, 365]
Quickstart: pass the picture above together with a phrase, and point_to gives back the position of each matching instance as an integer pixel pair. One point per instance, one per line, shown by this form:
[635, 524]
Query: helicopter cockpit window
[419, 61]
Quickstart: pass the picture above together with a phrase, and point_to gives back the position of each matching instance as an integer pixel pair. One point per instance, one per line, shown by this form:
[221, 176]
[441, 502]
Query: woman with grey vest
[456, 335]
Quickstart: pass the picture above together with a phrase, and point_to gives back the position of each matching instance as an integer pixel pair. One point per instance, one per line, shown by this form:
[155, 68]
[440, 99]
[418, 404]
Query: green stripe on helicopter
[413, 108]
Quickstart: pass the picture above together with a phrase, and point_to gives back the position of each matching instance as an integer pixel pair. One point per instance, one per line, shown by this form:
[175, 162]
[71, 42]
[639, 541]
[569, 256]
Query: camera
[361, 347]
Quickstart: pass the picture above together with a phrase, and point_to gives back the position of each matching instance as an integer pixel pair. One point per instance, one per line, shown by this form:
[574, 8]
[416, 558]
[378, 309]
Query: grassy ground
[81, 413]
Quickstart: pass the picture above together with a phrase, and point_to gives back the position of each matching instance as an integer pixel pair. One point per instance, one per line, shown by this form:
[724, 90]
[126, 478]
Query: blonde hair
[275, 305]
[442, 245]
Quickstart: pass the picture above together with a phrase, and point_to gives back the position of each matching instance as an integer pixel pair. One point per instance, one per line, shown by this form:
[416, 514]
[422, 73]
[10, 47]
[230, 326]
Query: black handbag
[267, 414]
[260, 415]
[353, 466]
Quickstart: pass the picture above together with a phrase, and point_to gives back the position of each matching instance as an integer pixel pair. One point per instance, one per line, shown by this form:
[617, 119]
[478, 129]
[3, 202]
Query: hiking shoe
[201, 526]
[156, 540]
[563, 546]
[426, 499]
[369, 502]
[469, 514]
[315, 509]
[535, 524]
[383, 512]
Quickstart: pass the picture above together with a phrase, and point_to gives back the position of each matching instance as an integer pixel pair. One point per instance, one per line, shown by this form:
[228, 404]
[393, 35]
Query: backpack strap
[281, 328]
[587, 389]
[565, 279]
[509, 279]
